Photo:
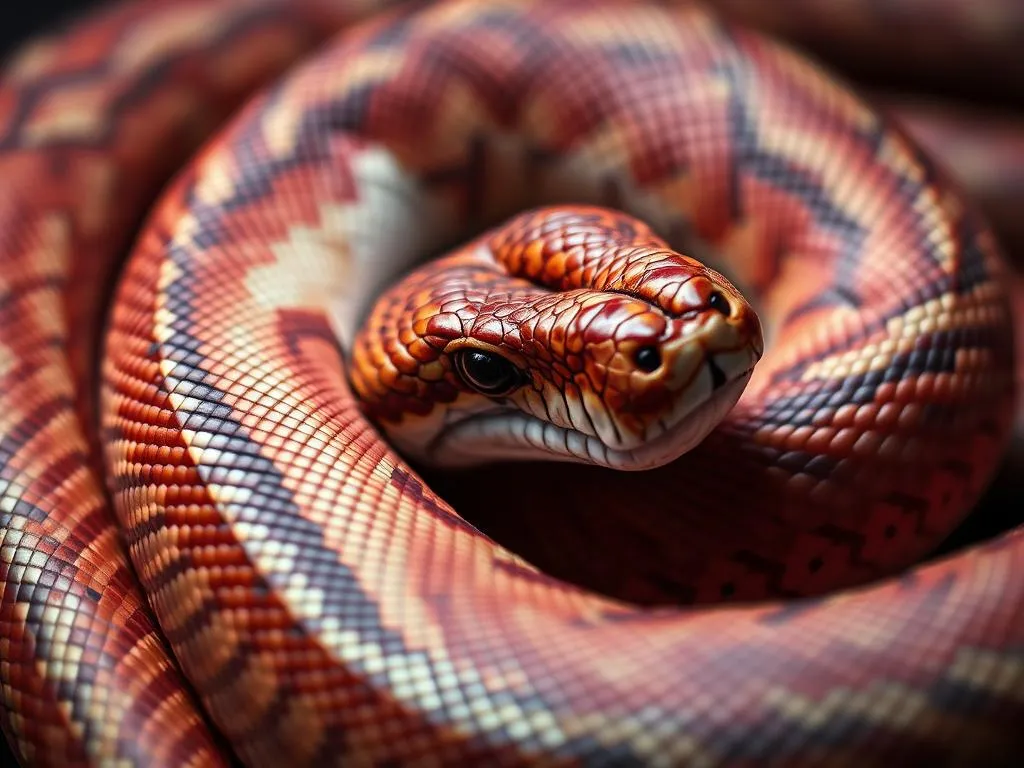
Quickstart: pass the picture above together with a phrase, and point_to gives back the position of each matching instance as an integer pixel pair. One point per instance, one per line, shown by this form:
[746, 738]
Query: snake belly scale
[313, 598]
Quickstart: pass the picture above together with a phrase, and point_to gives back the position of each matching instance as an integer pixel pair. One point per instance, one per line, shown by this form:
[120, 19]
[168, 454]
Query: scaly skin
[92, 124]
[917, 55]
[983, 149]
[327, 606]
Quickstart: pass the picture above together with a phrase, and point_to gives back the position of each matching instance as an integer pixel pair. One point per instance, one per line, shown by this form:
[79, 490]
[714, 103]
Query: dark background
[19, 20]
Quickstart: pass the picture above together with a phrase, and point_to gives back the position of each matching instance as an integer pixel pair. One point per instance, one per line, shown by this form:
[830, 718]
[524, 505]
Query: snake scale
[235, 565]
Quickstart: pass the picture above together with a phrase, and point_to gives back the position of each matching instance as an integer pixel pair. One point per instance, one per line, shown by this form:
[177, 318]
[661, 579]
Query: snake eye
[719, 303]
[487, 372]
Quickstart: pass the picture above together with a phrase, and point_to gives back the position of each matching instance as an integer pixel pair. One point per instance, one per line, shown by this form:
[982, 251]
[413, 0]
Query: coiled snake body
[322, 603]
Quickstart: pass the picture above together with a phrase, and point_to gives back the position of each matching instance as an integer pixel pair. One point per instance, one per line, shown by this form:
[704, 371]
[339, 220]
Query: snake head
[567, 334]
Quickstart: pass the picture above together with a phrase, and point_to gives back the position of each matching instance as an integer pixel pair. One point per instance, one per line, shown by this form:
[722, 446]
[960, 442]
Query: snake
[228, 359]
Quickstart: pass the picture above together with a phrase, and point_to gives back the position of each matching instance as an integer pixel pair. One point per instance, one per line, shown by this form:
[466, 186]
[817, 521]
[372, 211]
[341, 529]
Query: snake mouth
[501, 434]
[689, 431]
[718, 377]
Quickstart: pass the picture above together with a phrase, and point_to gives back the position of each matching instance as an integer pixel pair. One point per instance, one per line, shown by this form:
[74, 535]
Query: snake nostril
[719, 303]
[647, 359]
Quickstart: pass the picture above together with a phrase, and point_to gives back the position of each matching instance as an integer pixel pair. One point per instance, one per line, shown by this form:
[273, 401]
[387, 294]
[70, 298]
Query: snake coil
[272, 582]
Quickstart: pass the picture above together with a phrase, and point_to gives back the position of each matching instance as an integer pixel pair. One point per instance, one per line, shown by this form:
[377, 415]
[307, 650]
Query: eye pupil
[487, 369]
[719, 303]
[487, 372]
[648, 359]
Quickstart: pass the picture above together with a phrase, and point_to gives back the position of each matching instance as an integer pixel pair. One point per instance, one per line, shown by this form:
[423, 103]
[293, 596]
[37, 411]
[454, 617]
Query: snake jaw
[687, 433]
[506, 433]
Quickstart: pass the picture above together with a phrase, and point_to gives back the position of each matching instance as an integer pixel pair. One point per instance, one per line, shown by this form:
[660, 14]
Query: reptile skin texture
[209, 553]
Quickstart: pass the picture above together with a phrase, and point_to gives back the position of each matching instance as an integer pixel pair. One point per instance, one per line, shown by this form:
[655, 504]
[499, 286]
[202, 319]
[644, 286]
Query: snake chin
[685, 435]
[506, 435]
